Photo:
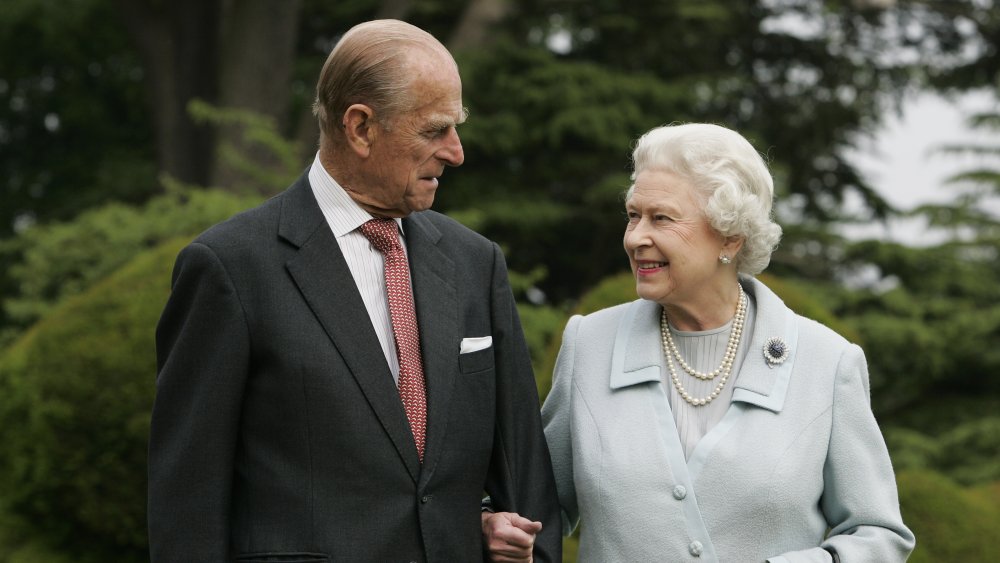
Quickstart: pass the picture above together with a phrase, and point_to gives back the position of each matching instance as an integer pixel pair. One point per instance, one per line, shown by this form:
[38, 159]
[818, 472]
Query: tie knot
[382, 233]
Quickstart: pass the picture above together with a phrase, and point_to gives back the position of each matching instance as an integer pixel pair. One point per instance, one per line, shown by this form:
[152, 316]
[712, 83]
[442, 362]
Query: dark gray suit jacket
[278, 433]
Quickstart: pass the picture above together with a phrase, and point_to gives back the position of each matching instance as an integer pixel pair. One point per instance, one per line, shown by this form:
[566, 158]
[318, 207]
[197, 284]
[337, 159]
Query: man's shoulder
[243, 225]
[261, 222]
[450, 229]
[446, 223]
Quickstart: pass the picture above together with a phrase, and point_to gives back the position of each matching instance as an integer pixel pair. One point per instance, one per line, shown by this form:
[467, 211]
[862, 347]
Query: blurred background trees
[126, 127]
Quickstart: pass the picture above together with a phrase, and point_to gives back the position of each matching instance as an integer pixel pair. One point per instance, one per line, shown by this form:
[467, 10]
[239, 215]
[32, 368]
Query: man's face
[409, 153]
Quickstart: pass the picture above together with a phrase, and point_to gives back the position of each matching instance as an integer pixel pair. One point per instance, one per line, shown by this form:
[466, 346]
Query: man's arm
[202, 355]
[520, 478]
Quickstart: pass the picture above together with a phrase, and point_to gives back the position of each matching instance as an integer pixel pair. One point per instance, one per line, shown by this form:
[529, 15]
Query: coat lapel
[326, 283]
[436, 300]
[637, 356]
[760, 383]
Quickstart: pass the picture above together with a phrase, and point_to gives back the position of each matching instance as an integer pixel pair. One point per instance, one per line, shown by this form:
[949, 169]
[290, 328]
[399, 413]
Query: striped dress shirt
[366, 263]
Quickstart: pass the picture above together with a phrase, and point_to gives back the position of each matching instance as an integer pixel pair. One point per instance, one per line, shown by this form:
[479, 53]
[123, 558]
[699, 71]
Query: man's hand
[508, 537]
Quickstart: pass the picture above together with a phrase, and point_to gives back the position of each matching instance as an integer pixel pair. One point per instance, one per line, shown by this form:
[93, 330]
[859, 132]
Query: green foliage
[803, 300]
[73, 129]
[611, 291]
[931, 322]
[275, 161]
[542, 325]
[78, 387]
[966, 453]
[58, 260]
[950, 523]
[547, 147]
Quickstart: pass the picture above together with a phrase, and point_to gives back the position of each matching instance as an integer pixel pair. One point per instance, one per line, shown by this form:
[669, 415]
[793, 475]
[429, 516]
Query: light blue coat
[797, 453]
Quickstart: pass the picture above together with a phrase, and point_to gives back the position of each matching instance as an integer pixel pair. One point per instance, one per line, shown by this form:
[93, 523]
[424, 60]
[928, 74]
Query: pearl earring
[725, 259]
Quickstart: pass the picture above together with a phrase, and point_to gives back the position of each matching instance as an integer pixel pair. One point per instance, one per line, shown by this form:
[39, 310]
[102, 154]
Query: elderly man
[342, 372]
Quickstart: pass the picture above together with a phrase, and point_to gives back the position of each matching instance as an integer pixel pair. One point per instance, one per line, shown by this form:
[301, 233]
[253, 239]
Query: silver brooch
[775, 351]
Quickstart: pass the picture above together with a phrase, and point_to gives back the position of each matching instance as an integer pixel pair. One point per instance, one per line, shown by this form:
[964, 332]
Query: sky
[899, 162]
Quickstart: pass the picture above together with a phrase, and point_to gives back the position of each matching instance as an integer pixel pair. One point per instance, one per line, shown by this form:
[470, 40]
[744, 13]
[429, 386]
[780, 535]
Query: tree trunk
[393, 9]
[177, 42]
[257, 54]
[473, 28]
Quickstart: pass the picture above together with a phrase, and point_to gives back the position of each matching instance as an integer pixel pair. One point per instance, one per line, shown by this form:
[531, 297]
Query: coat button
[695, 548]
[680, 492]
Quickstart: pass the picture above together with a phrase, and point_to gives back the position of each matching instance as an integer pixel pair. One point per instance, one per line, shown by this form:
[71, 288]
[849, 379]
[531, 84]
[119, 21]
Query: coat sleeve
[556, 418]
[859, 500]
[202, 355]
[520, 476]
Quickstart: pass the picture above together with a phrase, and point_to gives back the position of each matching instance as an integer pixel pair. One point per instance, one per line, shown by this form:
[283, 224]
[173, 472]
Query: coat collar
[638, 354]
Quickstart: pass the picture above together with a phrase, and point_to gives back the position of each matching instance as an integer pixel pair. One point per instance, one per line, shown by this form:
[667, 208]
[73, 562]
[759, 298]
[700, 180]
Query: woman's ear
[731, 245]
[359, 130]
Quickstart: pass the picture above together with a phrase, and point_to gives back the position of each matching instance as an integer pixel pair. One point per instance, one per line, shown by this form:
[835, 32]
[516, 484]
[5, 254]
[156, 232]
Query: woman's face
[673, 250]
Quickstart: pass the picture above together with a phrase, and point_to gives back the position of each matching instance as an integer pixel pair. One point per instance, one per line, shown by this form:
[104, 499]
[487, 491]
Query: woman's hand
[509, 537]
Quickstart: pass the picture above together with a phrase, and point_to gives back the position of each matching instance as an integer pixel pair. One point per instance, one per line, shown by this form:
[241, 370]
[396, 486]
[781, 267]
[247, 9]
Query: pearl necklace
[671, 352]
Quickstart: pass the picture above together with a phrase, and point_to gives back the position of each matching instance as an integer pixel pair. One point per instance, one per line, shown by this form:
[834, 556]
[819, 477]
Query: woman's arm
[859, 500]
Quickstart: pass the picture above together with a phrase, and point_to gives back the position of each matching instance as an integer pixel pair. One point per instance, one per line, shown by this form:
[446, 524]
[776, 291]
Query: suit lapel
[436, 300]
[326, 283]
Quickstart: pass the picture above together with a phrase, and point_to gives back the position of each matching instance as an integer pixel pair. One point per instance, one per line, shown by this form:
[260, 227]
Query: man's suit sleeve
[202, 354]
[520, 478]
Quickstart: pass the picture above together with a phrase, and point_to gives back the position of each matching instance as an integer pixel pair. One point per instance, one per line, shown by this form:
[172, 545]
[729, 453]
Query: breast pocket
[476, 362]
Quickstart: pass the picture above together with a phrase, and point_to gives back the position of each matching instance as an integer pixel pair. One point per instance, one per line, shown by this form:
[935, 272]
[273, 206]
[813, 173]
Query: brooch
[775, 351]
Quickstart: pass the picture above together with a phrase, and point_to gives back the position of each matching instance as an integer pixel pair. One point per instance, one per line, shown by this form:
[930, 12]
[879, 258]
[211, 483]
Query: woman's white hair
[730, 175]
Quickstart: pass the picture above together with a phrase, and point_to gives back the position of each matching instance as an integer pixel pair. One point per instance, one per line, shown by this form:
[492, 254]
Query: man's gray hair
[369, 65]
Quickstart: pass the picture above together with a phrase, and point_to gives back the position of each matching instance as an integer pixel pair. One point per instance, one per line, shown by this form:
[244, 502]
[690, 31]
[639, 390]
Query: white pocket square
[476, 344]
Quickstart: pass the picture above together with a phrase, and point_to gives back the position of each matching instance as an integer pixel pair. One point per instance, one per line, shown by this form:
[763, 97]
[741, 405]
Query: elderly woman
[707, 421]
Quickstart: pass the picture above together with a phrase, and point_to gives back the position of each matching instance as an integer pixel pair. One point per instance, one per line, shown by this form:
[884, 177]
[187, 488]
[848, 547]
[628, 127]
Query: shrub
[966, 453]
[54, 261]
[78, 390]
[950, 523]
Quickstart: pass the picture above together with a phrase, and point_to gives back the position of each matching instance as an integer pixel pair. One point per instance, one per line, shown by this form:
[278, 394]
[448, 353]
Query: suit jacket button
[680, 492]
[695, 548]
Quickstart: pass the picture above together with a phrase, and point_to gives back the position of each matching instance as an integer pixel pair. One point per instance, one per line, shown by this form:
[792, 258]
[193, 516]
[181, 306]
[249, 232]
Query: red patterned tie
[383, 235]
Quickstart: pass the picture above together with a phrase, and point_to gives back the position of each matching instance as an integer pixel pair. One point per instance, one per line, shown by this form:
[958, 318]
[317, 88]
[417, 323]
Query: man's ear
[359, 128]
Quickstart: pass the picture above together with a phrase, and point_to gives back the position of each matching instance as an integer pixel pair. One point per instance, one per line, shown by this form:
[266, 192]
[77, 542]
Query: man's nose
[451, 153]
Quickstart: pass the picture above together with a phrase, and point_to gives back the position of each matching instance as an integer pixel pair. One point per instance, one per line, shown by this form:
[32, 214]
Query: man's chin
[421, 204]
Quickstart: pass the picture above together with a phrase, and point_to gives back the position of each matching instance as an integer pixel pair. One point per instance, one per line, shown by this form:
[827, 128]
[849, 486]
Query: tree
[565, 88]
[73, 131]
[232, 53]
